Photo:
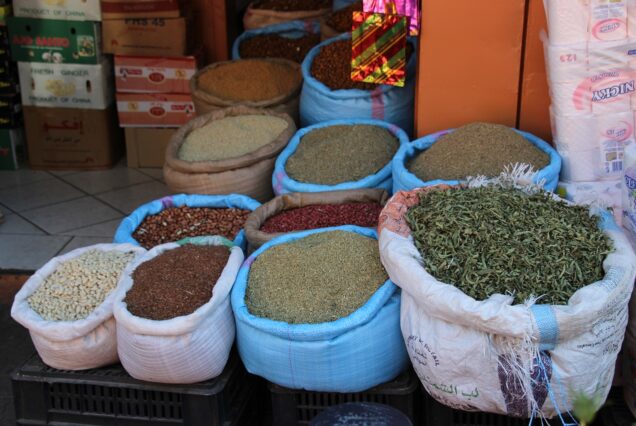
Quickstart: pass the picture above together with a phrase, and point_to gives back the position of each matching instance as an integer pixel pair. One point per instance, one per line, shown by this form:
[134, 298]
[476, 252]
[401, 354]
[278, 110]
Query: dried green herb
[319, 278]
[477, 149]
[494, 239]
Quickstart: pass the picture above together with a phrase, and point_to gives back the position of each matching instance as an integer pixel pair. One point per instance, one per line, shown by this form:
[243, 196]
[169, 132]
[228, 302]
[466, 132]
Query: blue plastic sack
[127, 227]
[351, 354]
[341, 4]
[404, 180]
[283, 184]
[318, 103]
[291, 29]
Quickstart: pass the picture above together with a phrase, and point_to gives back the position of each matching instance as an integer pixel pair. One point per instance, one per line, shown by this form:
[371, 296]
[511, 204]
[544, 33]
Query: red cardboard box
[147, 37]
[143, 74]
[154, 110]
[121, 9]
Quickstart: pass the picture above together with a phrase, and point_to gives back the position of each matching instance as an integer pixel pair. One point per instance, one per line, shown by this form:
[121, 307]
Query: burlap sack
[250, 174]
[256, 219]
[288, 103]
[259, 18]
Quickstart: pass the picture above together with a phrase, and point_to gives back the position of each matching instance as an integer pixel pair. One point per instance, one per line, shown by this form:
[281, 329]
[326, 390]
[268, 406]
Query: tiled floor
[50, 213]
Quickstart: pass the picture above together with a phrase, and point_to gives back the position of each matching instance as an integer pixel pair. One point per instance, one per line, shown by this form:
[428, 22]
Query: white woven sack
[185, 349]
[71, 345]
[521, 360]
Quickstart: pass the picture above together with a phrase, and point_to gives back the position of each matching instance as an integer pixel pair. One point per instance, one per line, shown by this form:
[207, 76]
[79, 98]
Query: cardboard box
[470, 72]
[146, 37]
[55, 41]
[123, 9]
[154, 110]
[534, 105]
[67, 85]
[69, 138]
[11, 148]
[140, 74]
[68, 10]
[146, 147]
[10, 111]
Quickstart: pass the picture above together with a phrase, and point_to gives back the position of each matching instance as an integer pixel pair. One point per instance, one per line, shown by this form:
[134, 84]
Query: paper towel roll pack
[605, 193]
[585, 132]
[628, 189]
[574, 21]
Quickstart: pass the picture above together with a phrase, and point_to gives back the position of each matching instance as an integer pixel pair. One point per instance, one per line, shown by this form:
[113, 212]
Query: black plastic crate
[439, 414]
[291, 407]
[109, 396]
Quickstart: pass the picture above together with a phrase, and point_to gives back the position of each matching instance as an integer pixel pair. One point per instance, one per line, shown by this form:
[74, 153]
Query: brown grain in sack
[249, 174]
[256, 219]
[271, 83]
[257, 17]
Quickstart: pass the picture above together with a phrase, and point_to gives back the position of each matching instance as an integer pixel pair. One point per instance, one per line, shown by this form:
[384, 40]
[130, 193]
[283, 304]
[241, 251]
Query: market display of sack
[284, 101]
[405, 180]
[256, 237]
[319, 103]
[572, 347]
[256, 17]
[283, 183]
[184, 349]
[248, 174]
[73, 344]
[127, 227]
[351, 354]
[291, 29]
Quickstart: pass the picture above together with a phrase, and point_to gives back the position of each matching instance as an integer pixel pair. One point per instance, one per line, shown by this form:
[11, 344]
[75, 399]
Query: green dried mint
[497, 239]
[318, 278]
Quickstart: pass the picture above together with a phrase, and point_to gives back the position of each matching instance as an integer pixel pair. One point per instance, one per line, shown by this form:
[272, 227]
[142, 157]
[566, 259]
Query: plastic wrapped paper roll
[574, 133]
[571, 98]
[568, 21]
[608, 19]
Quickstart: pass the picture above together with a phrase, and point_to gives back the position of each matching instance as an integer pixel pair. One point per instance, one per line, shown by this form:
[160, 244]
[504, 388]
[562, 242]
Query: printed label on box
[55, 41]
[69, 10]
[167, 110]
[66, 85]
[117, 9]
[137, 74]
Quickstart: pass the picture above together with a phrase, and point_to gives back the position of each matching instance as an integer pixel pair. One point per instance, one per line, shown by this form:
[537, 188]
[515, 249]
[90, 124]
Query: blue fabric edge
[130, 223]
[292, 185]
[403, 177]
[307, 332]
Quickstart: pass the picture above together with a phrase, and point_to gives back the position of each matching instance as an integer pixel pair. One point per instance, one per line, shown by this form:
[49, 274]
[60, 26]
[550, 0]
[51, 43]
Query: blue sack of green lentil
[290, 29]
[127, 227]
[404, 180]
[351, 354]
[283, 183]
[318, 103]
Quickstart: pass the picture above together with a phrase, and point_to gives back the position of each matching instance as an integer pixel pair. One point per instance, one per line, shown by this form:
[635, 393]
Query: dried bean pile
[319, 278]
[476, 149]
[324, 216]
[292, 5]
[332, 66]
[342, 153]
[249, 80]
[342, 20]
[231, 137]
[176, 223]
[277, 46]
[79, 285]
[177, 282]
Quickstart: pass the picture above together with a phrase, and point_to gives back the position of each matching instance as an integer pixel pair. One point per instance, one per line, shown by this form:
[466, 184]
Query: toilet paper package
[565, 62]
[586, 132]
[628, 189]
[608, 20]
[568, 20]
[605, 193]
[602, 163]
[571, 97]
[631, 18]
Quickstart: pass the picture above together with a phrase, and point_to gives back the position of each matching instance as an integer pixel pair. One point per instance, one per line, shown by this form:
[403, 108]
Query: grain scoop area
[319, 212]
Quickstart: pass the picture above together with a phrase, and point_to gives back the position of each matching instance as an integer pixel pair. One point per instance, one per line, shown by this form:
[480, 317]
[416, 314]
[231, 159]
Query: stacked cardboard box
[11, 135]
[66, 83]
[151, 44]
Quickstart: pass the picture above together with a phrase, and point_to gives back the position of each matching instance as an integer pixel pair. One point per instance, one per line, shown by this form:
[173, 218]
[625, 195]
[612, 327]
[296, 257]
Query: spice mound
[292, 5]
[476, 149]
[176, 223]
[250, 80]
[231, 137]
[177, 282]
[342, 20]
[319, 278]
[336, 154]
[79, 285]
[323, 216]
[277, 46]
[495, 239]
